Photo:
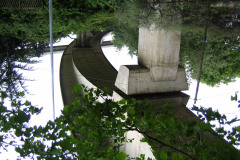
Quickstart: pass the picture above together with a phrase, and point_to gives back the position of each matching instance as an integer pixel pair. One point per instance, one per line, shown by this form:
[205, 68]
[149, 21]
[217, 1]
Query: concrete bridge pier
[158, 67]
[157, 77]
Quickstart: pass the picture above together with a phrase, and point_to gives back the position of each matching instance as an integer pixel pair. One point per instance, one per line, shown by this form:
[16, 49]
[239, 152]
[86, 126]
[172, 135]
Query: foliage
[129, 16]
[23, 34]
[91, 128]
[87, 141]
[68, 16]
[15, 55]
[15, 112]
[221, 55]
[14, 119]
[220, 64]
[126, 36]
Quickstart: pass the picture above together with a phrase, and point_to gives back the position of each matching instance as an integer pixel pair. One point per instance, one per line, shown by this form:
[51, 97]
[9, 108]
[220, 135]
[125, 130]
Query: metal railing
[21, 4]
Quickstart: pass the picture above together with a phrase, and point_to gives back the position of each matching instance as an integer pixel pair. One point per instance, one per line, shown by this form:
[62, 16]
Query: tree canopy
[93, 129]
[70, 16]
[221, 55]
[220, 63]
[24, 33]
[15, 55]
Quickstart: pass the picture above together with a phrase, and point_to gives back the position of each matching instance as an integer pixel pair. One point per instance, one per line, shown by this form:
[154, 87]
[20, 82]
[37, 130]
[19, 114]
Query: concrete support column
[158, 50]
[158, 69]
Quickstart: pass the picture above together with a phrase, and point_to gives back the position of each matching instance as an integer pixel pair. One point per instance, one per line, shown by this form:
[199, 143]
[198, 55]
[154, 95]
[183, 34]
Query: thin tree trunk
[203, 49]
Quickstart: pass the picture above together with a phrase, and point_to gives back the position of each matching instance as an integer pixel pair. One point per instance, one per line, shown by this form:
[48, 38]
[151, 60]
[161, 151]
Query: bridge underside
[83, 62]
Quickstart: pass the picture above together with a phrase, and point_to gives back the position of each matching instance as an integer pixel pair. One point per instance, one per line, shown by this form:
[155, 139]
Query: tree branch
[158, 141]
[203, 49]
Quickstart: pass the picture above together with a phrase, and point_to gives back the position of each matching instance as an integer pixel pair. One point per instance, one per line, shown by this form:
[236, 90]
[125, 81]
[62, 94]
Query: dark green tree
[220, 63]
[14, 119]
[221, 55]
[89, 129]
[15, 55]
[70, 16]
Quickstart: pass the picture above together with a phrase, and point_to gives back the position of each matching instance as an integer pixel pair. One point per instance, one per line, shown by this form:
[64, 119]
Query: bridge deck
[87, 66]
[93, 66]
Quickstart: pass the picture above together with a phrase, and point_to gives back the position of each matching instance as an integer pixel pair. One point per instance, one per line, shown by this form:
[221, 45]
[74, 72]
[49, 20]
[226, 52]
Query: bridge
[158, 76]
[83, 62]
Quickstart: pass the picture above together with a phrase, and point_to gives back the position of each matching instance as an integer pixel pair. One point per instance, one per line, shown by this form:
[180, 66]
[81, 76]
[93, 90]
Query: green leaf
[27, 103]
[3, 95]
[142, 156]
[55, 152]
[234, 98]
[143, 139]
[77, 89]
[22, 117]
[163, 155]
[3, 109]
[97, 92]
[22, 94]
[176, 156]
[122, 101]
[122, 117]
[106, 91]
[237, 128]
[107, 123]
[131, 111]
[121, 156]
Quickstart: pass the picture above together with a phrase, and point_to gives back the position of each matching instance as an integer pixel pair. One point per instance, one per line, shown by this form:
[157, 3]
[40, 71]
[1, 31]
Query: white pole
[51, 51]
